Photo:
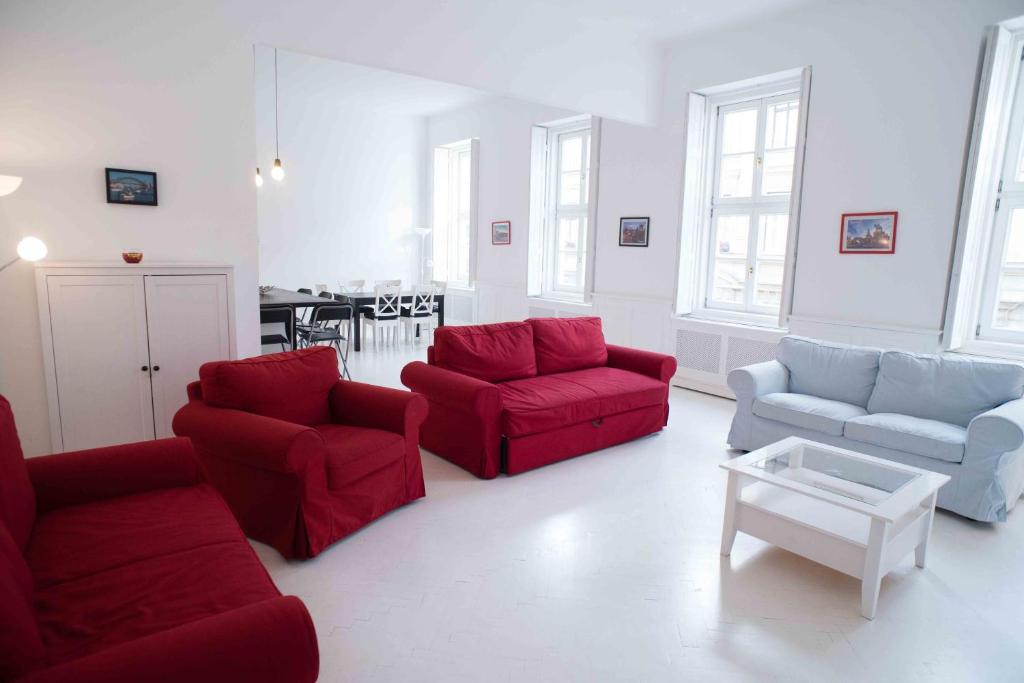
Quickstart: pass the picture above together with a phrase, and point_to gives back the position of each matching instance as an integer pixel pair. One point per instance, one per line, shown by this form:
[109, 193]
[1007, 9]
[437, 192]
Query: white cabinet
[121, 344]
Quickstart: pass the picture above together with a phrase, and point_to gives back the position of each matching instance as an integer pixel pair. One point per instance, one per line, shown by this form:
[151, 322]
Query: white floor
[607, 568]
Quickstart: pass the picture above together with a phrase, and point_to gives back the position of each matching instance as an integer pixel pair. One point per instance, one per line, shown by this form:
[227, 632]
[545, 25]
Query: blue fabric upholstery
[833, 371]
[809, 412]
[930, 438]
[953, 390]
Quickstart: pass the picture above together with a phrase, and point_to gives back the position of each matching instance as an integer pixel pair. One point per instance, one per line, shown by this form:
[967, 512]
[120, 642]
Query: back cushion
[567, 344]
[493, 353]
[292, 386]
[21, 649]
[834, 371]
[17, 498]
[952, 390]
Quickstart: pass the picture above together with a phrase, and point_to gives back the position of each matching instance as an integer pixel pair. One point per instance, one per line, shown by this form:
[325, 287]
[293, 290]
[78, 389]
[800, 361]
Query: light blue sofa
[958, 416]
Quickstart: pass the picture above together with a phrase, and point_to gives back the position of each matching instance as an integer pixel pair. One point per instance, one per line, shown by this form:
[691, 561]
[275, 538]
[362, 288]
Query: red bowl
[131, 256]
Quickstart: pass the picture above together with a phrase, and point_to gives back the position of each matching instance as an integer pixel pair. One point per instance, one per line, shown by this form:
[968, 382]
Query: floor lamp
[423, 232]
[30, 248]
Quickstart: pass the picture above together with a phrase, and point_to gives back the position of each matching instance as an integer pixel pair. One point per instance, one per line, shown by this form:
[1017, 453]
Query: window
[561, 243]
[741, 190]
[755, 147]
[454, 204]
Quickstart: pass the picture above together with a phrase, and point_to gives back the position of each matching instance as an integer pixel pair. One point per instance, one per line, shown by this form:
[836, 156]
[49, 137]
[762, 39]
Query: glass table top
[861, 480]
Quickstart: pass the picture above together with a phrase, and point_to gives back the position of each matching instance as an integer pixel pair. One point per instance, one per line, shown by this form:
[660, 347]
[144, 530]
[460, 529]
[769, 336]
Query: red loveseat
[117, 564]
[514, 396]
[302, 457]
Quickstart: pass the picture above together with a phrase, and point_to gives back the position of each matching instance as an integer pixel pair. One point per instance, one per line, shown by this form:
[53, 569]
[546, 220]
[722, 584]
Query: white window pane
[571, 153]
[731, 236]
[568, 234]
[739, 131]
[568, 274]
[771, 235]
[730, 281]
[1014, 254]
[736, 177]
[569, 189]
[780, 128]
[768, 283]
[778, 172]
[1010, 296]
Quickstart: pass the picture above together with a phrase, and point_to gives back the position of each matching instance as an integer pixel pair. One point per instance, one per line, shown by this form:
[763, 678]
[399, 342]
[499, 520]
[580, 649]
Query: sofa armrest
[998, 430]
[657, 365]
[751, 381]
[253, 440]
[272, 641]
[78, 477]
[451, 389]
[367, 405]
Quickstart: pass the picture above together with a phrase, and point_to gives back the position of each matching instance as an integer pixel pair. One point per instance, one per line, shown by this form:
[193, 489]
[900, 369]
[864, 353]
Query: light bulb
[258, 179]
[277, 173]
[31, 249]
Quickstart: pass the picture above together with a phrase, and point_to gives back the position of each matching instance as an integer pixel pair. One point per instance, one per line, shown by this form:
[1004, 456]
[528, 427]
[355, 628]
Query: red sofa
[302, 457]
[514, 396]
[117, 564]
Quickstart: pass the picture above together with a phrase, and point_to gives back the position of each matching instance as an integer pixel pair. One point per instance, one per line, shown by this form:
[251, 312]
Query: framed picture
[634, 232]
[501, 232]
[868, 233]
[131, 187]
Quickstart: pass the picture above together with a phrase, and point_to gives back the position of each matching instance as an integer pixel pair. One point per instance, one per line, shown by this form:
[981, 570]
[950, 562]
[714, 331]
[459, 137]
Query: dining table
[360, 299]
[276, 296]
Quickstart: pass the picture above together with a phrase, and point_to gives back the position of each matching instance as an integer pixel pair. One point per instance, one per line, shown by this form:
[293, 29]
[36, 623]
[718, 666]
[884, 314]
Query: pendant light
[258, 179]
[277, 172]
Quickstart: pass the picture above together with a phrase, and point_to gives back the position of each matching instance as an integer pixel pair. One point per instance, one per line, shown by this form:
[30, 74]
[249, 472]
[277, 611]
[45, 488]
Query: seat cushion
[834, 371]
[547, 402]
[291, 386]
[355, 452]
[17, 498]
[567, 344]
[21, 649]
[930, 438]
[81, 540]
[809, 412]
[953, 390]
[492, 353]
[130, 601]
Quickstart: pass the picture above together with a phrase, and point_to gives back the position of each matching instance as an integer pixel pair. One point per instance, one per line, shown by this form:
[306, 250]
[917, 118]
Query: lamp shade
[31, 249]
[8, 184]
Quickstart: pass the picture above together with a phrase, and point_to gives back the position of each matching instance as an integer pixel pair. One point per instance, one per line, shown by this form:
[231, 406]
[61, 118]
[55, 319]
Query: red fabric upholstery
[493, 353]
[296, 486]
[541, 404]
[290, 386]
[135, 571]
[17, 500]
[566, 344]
[518, 424]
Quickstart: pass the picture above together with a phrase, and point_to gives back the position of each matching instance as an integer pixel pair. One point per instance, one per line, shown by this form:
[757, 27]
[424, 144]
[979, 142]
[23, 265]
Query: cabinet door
[188, 326]
[98, 326]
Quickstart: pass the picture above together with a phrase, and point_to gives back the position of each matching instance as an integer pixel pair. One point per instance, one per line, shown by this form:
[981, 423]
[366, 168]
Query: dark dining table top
[286, 297]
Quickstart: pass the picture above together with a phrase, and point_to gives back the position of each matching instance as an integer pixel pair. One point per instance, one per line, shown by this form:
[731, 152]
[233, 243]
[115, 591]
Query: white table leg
[922, 548]
[732, 493]
[871, 579]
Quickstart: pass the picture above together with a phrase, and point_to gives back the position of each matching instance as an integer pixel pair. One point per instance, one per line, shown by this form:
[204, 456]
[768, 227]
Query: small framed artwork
[634, 232]
[868, 233]
[131, 187]
[501, 232]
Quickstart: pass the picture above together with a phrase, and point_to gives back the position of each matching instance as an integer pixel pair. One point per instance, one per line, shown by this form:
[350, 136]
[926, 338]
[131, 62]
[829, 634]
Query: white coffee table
[857, 514]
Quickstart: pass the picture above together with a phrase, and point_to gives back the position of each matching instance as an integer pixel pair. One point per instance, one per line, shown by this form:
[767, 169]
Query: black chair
[303, 317]
[283, 315]
[330, 323]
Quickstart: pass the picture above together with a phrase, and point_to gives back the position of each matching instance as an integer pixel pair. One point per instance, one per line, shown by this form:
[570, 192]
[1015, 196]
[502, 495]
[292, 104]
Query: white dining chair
[320, 289]
[420, 312]
[351, 286]
[440, 289]
[388, 283]
[383, 315]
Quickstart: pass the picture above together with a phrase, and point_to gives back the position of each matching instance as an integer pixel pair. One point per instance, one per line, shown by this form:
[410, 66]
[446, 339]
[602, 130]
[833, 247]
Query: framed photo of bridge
[131, 187]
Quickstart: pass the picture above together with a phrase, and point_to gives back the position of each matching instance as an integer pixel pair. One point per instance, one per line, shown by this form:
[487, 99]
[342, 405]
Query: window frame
[555, 210]
[468, 146]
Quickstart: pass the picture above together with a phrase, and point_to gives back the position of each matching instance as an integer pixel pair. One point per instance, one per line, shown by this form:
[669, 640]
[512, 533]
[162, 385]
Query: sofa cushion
[291, 386]
[128, 602]
[72, 542]
[567, 344]
[17, 498]
[355, 452]
[547, 402]
[953, 390]
[492, 353]
[828, 370]
[809, 412]
[930, 438]
[21, 649]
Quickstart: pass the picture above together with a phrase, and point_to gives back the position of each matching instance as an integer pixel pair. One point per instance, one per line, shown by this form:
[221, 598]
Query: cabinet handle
[156, 368]
[145, 368]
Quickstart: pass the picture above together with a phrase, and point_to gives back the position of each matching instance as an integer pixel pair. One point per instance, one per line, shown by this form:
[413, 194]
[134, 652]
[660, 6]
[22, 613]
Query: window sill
[992, 349]
[551, 298]
[768, 323]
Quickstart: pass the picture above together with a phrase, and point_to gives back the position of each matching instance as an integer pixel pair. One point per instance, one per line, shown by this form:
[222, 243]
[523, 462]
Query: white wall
[353, 190]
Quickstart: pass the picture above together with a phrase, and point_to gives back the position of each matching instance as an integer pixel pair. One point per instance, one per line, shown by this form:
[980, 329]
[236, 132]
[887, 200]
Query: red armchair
[510, 397]
[117, 564]
[302, 457]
